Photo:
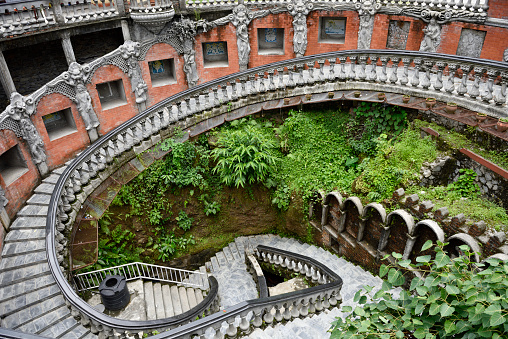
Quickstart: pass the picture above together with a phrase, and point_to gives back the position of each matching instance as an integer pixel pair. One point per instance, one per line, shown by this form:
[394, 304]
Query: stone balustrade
[30, 16]
[422, 75]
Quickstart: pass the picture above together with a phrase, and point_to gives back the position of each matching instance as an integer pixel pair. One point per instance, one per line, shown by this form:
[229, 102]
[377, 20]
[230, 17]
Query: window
[59, 124]
[215, 54]
[12, 165]
[471, 43]
[162, 72]
[398, 32]
[111, 94]
[332, 30]
[271, 41]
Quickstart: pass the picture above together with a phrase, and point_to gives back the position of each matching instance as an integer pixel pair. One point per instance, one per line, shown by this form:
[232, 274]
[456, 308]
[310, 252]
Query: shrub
[452, 300]
[244, 155]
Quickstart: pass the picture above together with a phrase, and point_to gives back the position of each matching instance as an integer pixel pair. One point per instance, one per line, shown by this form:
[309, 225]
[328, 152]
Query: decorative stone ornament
[3, 199]
[76, 77]
[505, 55]
[20, 110]
[299, 9]
[366, 10]
[130, 53]
[153, 18]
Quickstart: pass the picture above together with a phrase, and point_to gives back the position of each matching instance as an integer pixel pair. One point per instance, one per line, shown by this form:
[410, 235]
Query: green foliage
[397, 163]
[169, 244]
[282, 197]
[184, 221]
[381, 118]
[452, 300]
[465, 184]
[244, 155]
[114, 249]
[211, 208]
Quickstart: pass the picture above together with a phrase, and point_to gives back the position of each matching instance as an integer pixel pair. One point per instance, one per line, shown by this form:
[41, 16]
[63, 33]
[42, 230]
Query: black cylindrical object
[114, 292]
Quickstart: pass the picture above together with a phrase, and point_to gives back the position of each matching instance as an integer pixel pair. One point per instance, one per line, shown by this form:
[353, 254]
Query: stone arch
[423, 231]
[316, 209]
[399, 225]
[374, 216]
[459, 239]
[354, 210]
[334, 208]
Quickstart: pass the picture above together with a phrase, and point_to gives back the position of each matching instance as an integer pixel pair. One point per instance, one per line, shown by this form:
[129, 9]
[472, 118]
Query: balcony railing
[139, 270]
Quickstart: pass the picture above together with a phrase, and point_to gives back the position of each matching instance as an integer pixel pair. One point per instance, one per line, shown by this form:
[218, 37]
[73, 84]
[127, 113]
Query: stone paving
[31, 302]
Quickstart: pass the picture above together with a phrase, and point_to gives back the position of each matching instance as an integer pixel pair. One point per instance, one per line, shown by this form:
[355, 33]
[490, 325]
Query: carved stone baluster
[415, 81]
[363, 64]
[240, 88]
[278, 314]
[372, 75]
[352, 70]
[312, 305]
[331, 70]
[280, 78]
[174, 112]
[315, 274]
[474, 92]
[404, 80]
[257, 322]
[489, 86]
[268, 317]
[322, 77]
[500, 99]
[231, 331]
[301, 81]
[326, 303]
[334, 298]
[463, 84]
[298, 267]
[244, 324]
[383, 75]
[290, 82]
[319, 303]
[342, 68]
[450, 81]
[147, 127]
[295, 312]
[262, 86]
[271, 81]
[216, 99]
[286, 314]
[395, 66]
[311, 71]
[83, 173]
[425, 81]
[438, 84]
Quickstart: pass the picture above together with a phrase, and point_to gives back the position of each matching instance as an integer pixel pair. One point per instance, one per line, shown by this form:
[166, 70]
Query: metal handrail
[140, 270]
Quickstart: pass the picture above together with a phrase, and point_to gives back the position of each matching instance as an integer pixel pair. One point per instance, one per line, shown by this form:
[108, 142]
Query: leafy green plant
[451, 300]
[282, 197]
[465, 184]
[211, 208]
[244, 155]
[184, 221]
[382, 118]
[167, 246]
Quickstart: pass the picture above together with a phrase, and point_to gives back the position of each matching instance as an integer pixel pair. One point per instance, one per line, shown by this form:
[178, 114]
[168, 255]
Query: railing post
[120, 7]
[56, 5]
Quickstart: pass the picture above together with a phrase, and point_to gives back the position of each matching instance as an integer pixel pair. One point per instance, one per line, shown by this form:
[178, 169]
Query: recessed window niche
[162, 72]
[12, 165]
[111, 94]
[59, 124]
[332, 30]
[215, 54]
[398, 31]
[271, 41]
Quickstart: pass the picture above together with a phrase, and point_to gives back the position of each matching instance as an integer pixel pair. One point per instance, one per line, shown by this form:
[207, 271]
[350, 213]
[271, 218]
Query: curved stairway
[31, 302]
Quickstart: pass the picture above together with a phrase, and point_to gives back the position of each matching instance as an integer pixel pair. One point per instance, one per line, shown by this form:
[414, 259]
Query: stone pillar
[67, 47]
[120, 7]
[5, 221]
[125, 30]
[5, 76]
[57, 11]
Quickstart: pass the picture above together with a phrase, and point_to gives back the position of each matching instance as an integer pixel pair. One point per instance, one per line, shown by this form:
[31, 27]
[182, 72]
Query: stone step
[59, 170]
[26, 223]
[33, 211]
[52, 178]
[25, 235]
[175, 298]
[28, 298]
[221, 258]
[26, 286]
[214, 264]
[60, 327]
[150, 301]
[39, 199]
[184, 301]
[45, 188]
[168, 303]
[204, 277]
[234, 251]
[77, 332]
[159, 301]
[14, 248]
[31, 314]
[199, 295]
[16, 275]
[228, 254]
[22, 260]
[191, 297]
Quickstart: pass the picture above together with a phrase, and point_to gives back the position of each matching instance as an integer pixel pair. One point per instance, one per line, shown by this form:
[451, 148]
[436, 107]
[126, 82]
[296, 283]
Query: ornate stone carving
[471, 43]
[76, 77]
[299, 9]
[398, 32]
[432, 37]
[130, 53]
[3, 199]
[20, 109]
[241, 18]
[505, 55]
[366, 10]
[182, 33]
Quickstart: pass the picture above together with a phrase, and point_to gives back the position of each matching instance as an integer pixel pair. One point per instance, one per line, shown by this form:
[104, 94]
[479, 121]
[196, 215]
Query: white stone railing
[29, 16]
